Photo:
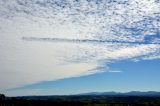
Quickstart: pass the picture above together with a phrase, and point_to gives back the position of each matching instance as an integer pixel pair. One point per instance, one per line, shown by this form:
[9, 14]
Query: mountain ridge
[131, 93]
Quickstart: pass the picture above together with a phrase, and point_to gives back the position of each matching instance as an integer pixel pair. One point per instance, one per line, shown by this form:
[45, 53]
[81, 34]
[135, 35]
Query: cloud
[84, 40]
[84, 35]
[115, 71]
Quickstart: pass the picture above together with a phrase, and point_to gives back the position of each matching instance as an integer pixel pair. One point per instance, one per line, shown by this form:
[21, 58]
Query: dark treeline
[79, 101]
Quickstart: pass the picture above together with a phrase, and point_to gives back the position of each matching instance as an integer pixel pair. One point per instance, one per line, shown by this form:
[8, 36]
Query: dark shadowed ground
[85, 100]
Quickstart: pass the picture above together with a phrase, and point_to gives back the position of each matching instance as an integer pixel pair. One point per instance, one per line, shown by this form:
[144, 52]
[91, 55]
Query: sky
[62, 47]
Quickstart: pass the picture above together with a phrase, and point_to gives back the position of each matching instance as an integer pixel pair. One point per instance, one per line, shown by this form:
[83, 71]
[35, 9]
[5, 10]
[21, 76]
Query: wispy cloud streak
[85, 40]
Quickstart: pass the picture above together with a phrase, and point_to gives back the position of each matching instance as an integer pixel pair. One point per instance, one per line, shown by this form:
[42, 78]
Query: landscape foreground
[89, 99]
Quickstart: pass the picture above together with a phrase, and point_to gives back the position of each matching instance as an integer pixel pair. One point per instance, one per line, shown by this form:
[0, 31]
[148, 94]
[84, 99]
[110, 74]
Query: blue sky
[67, 47]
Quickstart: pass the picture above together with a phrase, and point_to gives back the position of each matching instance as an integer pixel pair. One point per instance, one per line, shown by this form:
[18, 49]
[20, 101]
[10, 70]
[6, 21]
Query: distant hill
[132, 93]
[113, 94]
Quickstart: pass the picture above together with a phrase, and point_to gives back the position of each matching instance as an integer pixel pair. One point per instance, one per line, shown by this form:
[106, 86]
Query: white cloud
[26, 62]
[115, 71]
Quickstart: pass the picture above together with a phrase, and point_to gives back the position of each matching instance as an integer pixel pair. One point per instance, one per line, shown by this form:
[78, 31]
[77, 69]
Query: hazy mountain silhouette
[132, 93]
